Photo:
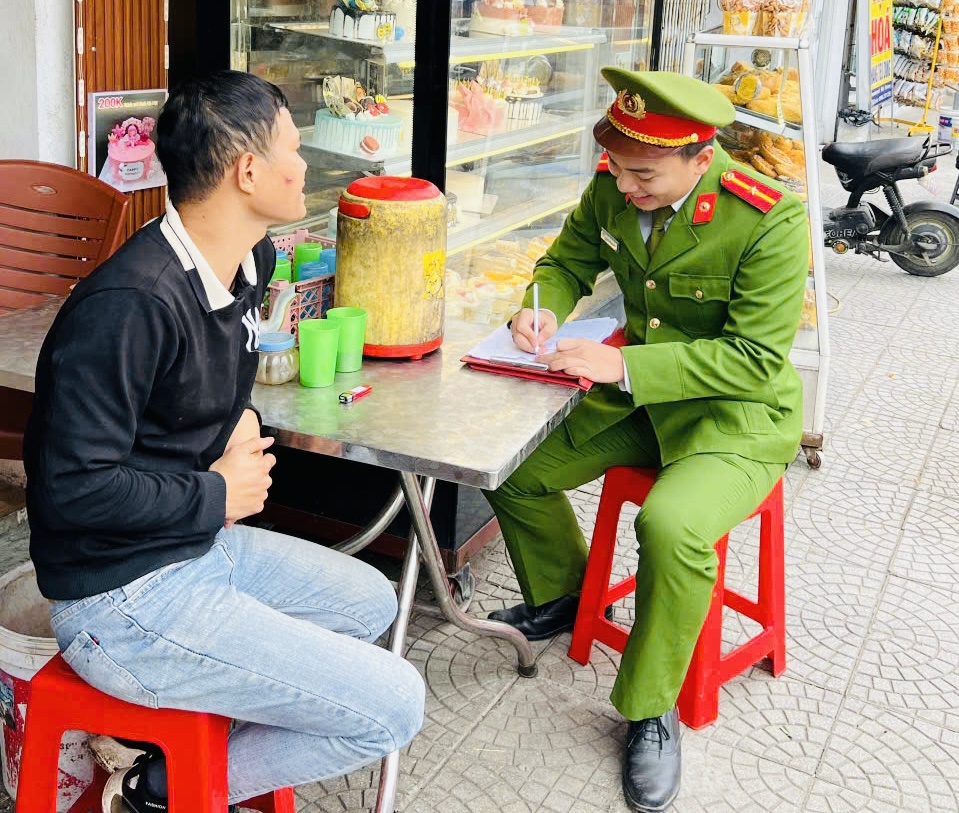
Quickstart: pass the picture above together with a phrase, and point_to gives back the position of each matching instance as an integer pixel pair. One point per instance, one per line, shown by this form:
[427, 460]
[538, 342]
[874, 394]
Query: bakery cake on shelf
[515, 16]
[362, 20]
[479, 112]
[355, 123]
[405, 23]
[521, 91]
[496, 100]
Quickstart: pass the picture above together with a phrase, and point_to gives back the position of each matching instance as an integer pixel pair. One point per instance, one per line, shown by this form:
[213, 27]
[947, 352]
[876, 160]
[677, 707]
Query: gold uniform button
[699, 294]
[654, 323]
[651, 284]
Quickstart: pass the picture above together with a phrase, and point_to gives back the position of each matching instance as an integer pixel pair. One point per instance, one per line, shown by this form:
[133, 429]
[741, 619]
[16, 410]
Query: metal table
[428, 419]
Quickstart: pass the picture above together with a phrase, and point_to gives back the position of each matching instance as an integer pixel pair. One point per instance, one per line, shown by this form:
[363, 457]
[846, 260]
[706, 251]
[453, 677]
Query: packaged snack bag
[783, 18]
[741, 17]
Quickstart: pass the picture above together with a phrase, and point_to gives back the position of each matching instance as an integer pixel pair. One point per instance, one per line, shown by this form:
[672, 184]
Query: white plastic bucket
[949, 127]
[26, 644]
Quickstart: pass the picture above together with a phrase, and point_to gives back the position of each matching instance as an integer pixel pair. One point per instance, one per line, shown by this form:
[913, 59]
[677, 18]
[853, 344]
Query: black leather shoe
[545, 621]
[651, 764]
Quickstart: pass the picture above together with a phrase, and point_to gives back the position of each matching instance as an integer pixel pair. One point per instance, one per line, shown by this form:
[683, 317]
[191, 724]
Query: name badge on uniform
[610, 241]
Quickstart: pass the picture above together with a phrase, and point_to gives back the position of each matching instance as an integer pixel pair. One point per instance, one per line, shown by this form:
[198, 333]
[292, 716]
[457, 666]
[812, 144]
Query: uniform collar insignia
[705, 208]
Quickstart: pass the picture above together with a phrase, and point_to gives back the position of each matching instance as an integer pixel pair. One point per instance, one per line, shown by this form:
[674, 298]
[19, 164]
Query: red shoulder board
[750, 190]
[705, 208]
[603, 165]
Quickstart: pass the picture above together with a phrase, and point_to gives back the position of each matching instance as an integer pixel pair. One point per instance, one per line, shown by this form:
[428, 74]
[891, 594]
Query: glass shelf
[469, 147]
[480, 48]
[769, 124]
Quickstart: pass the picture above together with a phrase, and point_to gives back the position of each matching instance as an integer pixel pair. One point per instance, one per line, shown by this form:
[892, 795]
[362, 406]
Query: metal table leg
[433, 562]
[390, 765]
[423, 542]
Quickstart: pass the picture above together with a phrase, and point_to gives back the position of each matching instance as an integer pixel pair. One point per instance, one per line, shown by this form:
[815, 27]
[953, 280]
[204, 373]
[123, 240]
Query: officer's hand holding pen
[524, 335]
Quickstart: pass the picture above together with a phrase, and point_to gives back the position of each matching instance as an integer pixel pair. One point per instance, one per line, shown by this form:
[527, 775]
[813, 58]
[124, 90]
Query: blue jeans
[270, 630]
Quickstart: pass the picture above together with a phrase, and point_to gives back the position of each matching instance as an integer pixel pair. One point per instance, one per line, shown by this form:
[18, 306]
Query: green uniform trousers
[694, 502]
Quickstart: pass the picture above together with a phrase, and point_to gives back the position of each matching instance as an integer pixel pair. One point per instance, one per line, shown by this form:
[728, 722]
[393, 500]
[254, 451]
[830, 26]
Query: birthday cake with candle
[130, 149]
[355, 123]
[362, 20]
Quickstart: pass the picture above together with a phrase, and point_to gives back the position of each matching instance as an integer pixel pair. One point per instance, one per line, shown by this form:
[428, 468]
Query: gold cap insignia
[631, 103]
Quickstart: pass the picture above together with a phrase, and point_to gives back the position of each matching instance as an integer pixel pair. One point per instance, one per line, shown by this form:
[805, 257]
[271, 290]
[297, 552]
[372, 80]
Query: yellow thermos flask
[390, 260]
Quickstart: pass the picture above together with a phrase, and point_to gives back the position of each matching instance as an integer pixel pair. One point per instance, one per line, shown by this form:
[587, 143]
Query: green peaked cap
[674, 94]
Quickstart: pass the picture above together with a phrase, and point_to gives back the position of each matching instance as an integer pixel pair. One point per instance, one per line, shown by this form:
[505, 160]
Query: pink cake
[478, 112]
[542, 12]
[130, 149]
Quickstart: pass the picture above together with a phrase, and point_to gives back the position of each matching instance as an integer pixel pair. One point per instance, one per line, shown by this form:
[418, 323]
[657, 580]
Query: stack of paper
[499, 344]
[497, 353]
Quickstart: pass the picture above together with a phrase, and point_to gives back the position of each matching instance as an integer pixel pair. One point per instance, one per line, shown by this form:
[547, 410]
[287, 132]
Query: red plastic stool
[709, 669]
[194, 744]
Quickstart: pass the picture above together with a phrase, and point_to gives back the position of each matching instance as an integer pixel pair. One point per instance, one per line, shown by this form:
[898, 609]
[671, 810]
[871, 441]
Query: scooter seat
[867, 157]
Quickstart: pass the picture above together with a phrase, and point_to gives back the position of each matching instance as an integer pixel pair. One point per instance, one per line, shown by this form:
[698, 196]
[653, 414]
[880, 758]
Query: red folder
[617, 339]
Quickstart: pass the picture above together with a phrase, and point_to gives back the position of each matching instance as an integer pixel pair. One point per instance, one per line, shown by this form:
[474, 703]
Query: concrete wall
[37, 84]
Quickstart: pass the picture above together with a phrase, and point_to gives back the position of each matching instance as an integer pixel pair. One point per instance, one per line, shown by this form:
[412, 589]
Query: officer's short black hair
[690, 151]
[208, 123]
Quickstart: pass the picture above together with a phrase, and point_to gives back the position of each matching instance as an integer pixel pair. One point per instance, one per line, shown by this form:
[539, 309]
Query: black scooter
[921, 238]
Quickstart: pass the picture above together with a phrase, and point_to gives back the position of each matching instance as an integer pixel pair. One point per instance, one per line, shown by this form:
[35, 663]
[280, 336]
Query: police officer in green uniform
[712, 260]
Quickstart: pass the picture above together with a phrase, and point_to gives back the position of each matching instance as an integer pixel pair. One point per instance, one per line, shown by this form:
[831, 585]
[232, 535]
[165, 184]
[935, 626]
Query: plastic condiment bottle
[279, 360]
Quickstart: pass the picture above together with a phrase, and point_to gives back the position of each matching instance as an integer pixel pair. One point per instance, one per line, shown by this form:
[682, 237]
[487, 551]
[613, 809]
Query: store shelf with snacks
[926, 47]
[785, 150]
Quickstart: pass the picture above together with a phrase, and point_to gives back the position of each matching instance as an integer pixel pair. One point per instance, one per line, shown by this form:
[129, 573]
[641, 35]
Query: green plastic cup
[349, 354]
[318, 341]
[283, 270]
[305, 253]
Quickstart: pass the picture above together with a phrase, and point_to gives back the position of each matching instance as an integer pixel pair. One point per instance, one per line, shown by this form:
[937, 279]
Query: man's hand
[246, 470]
[524, 337]
[247, 428]
[587, 359]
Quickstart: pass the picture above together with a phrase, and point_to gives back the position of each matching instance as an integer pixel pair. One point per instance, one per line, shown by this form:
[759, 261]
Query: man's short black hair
[690, 151]
[207, 124]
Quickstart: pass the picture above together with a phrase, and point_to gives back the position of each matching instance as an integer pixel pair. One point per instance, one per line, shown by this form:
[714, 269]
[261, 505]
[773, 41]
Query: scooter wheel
[939, 234]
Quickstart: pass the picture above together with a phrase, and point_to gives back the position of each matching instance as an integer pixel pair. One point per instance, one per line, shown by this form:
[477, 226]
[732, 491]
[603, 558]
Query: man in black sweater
[143, 451]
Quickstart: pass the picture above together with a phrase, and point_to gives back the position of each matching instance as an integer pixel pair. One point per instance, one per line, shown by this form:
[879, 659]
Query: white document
[499, 343]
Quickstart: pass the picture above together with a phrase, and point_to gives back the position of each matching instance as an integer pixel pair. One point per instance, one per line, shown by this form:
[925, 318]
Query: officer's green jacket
[725, 297]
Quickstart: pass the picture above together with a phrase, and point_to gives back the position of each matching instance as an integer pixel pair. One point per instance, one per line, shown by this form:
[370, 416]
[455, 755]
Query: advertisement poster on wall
[122, 139]
[880, 38]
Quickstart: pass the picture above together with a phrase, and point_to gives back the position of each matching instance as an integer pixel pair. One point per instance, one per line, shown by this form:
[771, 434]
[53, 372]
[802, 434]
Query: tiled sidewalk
[866, 717]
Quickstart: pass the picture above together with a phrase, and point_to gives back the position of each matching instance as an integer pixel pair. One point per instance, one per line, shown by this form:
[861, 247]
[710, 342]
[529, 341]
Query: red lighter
[355, 394]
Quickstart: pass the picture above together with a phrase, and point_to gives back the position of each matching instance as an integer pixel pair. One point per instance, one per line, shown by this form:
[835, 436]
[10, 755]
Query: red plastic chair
[698, 702]
[194, 744]
[56, 225]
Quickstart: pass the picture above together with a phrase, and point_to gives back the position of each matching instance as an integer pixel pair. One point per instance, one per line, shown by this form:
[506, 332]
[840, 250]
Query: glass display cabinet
[524, 91]
[771, 83]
